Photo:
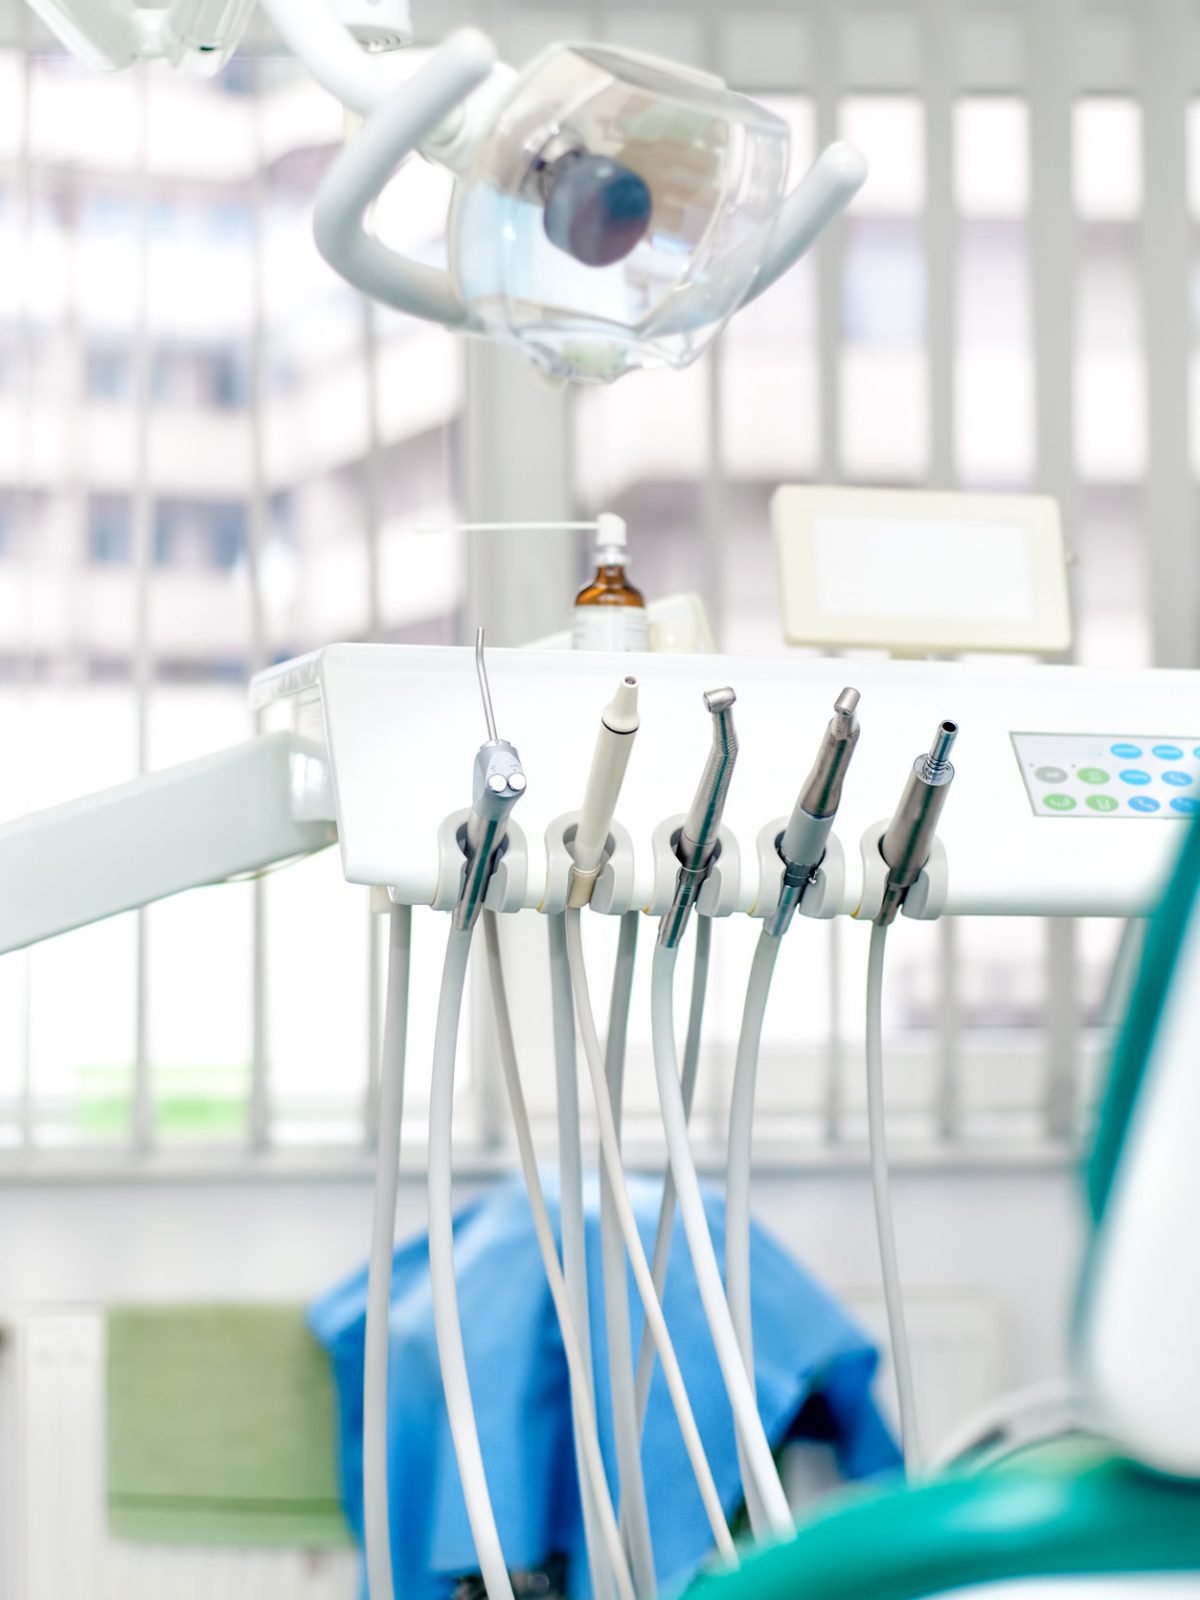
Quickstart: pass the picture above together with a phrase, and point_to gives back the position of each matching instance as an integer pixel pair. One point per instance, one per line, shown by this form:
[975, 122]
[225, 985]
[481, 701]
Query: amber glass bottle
[610, 614]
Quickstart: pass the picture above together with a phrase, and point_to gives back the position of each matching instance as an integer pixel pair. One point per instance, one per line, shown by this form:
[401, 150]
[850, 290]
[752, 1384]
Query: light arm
[407, 117]
[315, 36]
[226, 814]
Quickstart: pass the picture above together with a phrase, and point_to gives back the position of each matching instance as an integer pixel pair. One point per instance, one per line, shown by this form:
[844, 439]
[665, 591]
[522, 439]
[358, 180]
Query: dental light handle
[823, 193]
[804, 840]
[697, 846]
[397, 126]
[614, 745]
[908, 841]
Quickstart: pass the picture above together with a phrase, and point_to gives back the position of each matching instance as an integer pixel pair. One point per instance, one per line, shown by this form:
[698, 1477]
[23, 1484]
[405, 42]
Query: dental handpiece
[698, 837]
[498, 783]
[908, 841]
[619, 724]
[803, 842]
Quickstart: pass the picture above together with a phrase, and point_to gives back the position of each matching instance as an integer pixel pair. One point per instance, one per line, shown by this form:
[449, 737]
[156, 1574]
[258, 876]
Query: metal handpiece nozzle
[908, 841]
[497, 784]
[698, 836]
[803, 842]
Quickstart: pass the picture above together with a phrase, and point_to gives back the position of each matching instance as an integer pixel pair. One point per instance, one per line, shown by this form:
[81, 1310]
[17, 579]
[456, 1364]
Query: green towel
[221, 1428]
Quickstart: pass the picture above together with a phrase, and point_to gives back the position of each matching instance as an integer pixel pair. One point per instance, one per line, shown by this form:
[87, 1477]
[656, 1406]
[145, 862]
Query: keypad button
[1101, 802]
[1126, 752]
[1051, 775]
[1093, 775]
[1135, 776]
[1178, 779]
[1186, 805]
[1145, 803]
[1059, 802]
[1167, 752]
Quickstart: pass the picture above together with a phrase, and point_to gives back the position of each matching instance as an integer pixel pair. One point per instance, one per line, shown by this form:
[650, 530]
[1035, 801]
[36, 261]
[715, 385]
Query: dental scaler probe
[906, 846]
[802, 846]
[619, 724]
[499, 782]
[696, 850]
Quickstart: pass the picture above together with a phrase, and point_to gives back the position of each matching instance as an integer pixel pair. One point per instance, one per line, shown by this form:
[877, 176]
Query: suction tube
[661, 1254]
[451, 1355]
[739, 1163]
[570, 1167]
[635, 1518]
[592, 1481]
[881, 1189]
[611, 1153]
[704, 1262]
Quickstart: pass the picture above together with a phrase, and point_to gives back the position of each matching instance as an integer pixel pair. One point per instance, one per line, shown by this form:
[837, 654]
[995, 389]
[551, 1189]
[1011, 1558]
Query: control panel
[1088, 775]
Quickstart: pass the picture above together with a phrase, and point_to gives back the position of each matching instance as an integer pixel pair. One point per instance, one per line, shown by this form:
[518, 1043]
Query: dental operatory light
[612, 210]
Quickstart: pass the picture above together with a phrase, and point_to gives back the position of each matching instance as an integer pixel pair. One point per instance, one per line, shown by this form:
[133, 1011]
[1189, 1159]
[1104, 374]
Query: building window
[109, 529]
[198, 535]
[109, 374]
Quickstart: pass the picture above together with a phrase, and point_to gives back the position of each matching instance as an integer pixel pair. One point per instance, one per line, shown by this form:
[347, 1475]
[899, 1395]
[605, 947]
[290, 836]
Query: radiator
[957, 1341]
[54, 1539]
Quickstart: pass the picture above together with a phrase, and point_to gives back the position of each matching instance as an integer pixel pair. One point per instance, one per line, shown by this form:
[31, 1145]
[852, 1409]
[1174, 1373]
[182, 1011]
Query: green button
[1093, 775]
[1101, 802]
[1059, 802]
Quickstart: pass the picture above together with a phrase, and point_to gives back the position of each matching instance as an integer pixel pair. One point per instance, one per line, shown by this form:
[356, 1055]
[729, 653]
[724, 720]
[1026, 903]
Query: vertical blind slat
[1052, 28]
[939, 56]
[1168, 40]
[142, 539]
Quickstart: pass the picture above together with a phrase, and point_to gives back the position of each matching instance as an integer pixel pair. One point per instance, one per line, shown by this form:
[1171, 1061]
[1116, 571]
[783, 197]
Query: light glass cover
[616, 212]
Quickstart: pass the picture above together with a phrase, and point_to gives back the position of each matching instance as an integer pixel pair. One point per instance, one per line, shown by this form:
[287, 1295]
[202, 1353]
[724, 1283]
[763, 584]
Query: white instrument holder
[613, 887]
[822, 898]
[925, 900]
[718, 895]
[506, 886]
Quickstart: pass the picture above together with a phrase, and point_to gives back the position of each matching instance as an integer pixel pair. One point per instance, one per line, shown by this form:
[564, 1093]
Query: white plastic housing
[403, 724]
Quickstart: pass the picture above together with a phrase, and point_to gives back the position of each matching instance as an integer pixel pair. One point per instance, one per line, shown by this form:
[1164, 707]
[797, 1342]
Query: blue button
[1177, 779]
[1196, 752]
[1143, 802]
[1135, 776]
[1167, 752]
[1186, 805]
[1127, 752]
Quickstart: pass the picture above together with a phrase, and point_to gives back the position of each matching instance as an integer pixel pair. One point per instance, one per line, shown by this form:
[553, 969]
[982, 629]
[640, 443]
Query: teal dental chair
[1114, 1512]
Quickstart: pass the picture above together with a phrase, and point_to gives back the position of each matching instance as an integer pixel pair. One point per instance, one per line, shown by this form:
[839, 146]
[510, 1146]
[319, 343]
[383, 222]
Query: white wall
[1012, 1238]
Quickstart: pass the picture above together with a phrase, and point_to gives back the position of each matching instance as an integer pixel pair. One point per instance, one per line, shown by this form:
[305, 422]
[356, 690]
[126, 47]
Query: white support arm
[233, 812]
[409, 116]
[315, 36]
